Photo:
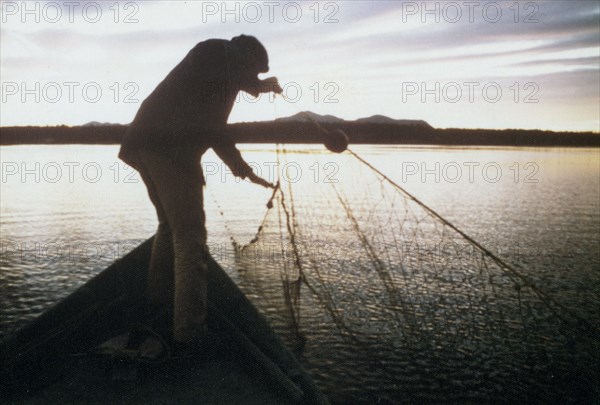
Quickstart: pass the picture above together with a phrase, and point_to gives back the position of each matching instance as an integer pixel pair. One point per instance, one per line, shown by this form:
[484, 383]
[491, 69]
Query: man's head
[253, 54]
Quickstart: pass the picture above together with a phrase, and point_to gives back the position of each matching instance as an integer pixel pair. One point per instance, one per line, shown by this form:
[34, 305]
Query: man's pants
[174, 181]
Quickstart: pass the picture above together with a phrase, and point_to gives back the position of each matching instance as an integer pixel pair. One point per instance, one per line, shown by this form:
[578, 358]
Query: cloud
[372, 48]
[590, 61]
[555, 21]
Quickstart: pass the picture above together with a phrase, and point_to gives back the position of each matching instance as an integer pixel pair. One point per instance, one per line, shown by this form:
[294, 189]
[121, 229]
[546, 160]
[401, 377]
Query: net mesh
[371, 286]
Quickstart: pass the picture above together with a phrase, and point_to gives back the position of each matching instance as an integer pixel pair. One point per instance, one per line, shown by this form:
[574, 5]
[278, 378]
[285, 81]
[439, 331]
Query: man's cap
[250, 46]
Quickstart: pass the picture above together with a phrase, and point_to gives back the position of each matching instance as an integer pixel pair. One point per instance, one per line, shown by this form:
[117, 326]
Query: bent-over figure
[184, 116]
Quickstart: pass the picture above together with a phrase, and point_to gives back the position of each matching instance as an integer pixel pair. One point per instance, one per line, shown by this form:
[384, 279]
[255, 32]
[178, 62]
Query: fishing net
[385, 300]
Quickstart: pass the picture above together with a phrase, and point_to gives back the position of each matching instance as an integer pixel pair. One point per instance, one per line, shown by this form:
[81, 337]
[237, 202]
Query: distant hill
[321, 119]
[331, 119]
[98, 124]
[382, 119]
[377, 129]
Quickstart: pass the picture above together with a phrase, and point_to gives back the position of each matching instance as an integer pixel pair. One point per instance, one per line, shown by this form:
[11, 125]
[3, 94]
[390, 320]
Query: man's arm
[232, 157]
[255, 86]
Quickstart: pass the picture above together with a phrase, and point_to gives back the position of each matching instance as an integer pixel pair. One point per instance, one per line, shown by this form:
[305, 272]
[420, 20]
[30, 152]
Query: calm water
[372, 283]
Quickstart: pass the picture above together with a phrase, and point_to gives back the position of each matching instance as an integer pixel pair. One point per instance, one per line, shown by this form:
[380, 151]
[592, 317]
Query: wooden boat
[54, 357]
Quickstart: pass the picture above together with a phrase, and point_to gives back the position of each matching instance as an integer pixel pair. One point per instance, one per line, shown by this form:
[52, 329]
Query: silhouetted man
[183, 117]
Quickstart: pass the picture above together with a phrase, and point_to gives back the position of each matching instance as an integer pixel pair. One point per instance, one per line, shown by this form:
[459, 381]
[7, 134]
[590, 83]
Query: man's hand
[270, 84]
[257, 86]
[260, 181]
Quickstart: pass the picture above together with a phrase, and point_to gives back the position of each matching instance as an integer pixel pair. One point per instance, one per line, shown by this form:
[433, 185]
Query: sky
[465, 64]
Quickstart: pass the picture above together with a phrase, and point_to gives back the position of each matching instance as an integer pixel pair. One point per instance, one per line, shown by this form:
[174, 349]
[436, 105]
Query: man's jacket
[190, 107]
